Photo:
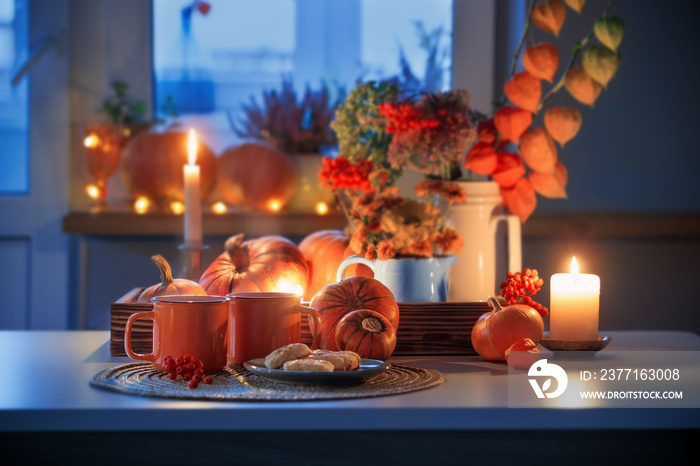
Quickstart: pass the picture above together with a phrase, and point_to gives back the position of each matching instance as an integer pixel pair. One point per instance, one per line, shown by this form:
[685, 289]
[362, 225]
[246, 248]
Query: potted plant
[299, 127]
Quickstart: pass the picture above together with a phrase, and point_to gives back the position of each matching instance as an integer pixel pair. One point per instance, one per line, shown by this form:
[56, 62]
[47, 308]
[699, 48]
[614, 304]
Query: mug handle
[515, 255]
[350, 261]
[317, 324]
[127, 336]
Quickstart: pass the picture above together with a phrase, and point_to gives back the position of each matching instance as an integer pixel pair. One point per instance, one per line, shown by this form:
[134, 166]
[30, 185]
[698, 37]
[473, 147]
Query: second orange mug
[262, 322]
[194, 325]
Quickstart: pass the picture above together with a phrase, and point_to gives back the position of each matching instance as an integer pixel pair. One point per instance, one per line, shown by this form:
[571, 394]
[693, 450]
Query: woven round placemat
[235, 383]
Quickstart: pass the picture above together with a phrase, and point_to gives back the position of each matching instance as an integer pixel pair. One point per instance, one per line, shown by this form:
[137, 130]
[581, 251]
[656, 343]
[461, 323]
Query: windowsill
[588, 224]
[129, 223]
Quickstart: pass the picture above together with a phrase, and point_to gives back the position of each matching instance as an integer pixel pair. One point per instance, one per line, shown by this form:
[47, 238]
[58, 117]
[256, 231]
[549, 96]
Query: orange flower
[371, 253]
[385, 250]
[378, 178]
[359, 237]
[421, 248]
[429, 186]
[374, 227]
[364, 199]
[449, 241]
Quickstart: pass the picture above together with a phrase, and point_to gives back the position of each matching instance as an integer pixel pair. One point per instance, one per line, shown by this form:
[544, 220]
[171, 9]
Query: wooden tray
[424, 328]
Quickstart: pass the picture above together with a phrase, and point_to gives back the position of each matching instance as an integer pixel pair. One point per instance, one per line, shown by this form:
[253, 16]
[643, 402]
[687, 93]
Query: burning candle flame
[92, 191]
[274, 205]
[177, 207]
[192, 148]
[141, 205]
[219, 208]
[574, 265]
[321, 208]
[91, 141]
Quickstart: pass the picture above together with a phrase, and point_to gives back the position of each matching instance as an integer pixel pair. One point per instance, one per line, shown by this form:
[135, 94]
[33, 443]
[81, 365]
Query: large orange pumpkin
[334, 301]
[256, 175]
[270, 263]
[498, 330]
[152, 165]
[324, 251]
[367, 333]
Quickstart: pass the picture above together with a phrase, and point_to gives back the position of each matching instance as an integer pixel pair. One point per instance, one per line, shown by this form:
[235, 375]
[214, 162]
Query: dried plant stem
[516, 55]
[574, 56]
[344, 208]
[521, 44]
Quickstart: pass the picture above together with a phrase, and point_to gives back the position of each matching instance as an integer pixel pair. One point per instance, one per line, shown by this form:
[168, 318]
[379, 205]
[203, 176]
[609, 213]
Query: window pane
[421, 30]
[211, 61]
[14, 155]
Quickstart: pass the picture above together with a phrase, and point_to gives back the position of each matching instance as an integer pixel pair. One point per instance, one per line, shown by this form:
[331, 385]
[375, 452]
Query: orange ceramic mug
[194, 325]
[259, 323]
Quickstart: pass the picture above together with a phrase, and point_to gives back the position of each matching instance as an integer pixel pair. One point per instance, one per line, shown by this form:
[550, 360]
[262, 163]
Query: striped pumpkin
[335, 301]
[367, 333]
[270, 263]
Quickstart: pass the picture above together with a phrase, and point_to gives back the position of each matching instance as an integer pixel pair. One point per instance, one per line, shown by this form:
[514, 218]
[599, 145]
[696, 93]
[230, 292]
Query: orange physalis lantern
[551, 185]
[541, 60]
[549, 16]
[521, 199]
[562, 123]
[524, 90]
[512, 122]
[538, 151]
[581, 86]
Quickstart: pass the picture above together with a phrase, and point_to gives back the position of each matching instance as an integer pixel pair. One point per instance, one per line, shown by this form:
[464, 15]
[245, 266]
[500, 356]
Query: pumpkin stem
[372, 325]
[238, 252]
[495, 305]
[166, 275]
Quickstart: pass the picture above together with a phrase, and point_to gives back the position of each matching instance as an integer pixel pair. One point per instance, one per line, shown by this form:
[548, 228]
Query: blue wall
[636, 150]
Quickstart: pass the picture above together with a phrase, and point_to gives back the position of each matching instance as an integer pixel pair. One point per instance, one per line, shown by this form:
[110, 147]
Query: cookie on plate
[278, 357]
[339, 362]
[309, 365]
[351, 356]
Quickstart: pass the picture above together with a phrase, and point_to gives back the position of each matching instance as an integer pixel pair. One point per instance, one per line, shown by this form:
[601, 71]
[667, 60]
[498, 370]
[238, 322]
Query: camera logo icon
[547, 371]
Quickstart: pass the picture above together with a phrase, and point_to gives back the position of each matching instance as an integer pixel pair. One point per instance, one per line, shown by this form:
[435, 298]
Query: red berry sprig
[190, 369]
[520, 286]
[341, 173]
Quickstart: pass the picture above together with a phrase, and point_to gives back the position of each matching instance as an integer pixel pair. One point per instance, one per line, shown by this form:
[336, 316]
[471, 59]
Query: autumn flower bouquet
[432, 134]
[385, 225]
[380, 136]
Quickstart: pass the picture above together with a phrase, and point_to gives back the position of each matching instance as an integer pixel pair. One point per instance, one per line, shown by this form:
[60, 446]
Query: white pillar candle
[193, 206]
[574, 305]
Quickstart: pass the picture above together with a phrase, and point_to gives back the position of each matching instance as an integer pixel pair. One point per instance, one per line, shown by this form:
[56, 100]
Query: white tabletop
[45, 388]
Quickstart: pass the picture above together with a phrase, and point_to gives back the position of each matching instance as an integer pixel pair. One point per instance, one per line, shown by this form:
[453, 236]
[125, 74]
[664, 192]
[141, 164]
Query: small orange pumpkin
[334, 301]
[168, 285]
[496, 331]
[367, 333]
[257, 176]
[324, 251]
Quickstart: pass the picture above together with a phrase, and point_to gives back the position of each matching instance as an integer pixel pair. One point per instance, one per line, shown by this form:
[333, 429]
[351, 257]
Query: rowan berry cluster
[405, 116]
[520, 286]
[340, 173]
[190, 369]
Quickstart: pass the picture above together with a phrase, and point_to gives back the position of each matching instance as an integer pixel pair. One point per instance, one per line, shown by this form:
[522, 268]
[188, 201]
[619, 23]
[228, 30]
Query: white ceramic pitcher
[410, 280]
[473, 277]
